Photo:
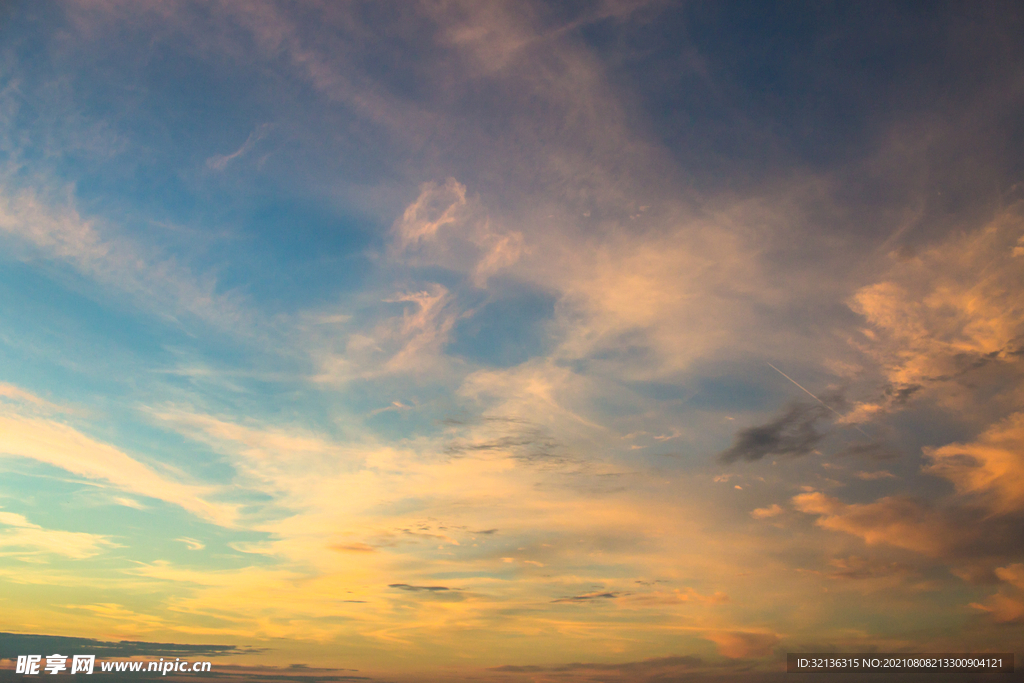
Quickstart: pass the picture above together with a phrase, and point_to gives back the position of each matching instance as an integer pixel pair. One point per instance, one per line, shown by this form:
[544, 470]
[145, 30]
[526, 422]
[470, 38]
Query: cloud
[500, 251]
[437, 206]
[23, 539]
[261, 450]
[874, 476]
[124, 617]
[743, 644]
[900, 522]
[968, 538]
[538, 392]
[441, 228]
[791, 434]
[519, 439]
[418, 589]
[974, 530]
[192, 543]
[423, 330]
[947, 321]
[14, 644]
[57, 444]
[409, 343]
[989, 470]
[61, 232]
[51, 226]
[128, 502]
[1002, 608]
[630, 308]
[764, 513]
[17, 394]
[352, 548]
[220, 161]
[330, 71]
[416, 507]
[589, 597]
[444, 228]
[1012, 574]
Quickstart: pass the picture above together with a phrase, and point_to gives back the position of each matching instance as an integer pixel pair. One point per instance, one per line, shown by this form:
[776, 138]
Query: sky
[510, 341]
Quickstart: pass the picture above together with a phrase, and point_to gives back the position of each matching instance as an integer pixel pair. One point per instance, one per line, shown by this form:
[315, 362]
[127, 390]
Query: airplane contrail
[814, 397]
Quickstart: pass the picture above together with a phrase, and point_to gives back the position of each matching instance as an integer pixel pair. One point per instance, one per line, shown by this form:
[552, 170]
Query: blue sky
[455, 340]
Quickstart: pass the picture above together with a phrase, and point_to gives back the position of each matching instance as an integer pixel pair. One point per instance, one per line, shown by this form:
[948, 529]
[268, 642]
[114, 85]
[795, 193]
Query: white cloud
[62, 446]
[192, 543]
[21, 538]
[220, 161]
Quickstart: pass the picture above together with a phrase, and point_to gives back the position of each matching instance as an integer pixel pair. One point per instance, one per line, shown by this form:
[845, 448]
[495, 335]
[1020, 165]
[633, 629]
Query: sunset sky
[512, 342]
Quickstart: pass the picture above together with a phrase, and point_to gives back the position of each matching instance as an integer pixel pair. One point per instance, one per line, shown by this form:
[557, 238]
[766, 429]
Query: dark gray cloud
[590, 597]
[516, 438]
[14, 644]
[416, 589]
[431, 593]
[901, 395]
[791, 434]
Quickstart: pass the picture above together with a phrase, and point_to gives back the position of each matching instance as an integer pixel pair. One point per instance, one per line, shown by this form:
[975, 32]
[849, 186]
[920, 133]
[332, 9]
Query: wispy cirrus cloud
[22, 539]
[17, 394]
[219, 162]
[54, 443]
[52, 228]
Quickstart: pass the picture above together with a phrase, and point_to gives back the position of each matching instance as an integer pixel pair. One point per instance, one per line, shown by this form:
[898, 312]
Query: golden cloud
[989, 469]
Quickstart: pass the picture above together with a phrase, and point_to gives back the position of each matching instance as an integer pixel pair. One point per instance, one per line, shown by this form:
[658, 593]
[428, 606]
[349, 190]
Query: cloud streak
[57, 444]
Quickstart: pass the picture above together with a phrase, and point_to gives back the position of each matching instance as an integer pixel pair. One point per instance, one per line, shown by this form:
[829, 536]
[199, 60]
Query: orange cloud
[891, 521]
[989, 469]
[953, 309]
[764, 513]
[1002, 608]
[1013, 574]
[743, 644]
